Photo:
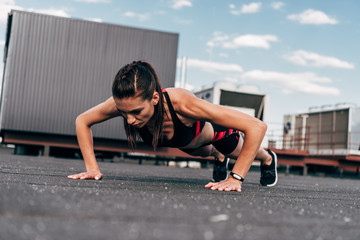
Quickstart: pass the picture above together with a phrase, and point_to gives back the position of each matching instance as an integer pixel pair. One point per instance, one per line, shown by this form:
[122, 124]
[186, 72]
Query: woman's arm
[84, 121]
[254, 129]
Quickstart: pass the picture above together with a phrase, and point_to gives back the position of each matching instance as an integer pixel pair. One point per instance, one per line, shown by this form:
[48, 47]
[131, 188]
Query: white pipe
[183, 72]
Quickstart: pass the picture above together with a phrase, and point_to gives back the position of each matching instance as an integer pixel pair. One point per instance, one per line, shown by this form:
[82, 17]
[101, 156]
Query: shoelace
[269, 173]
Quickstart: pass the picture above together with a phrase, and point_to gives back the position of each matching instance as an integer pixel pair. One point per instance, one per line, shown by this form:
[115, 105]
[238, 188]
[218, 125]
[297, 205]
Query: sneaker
[220, 170]
[269, 176]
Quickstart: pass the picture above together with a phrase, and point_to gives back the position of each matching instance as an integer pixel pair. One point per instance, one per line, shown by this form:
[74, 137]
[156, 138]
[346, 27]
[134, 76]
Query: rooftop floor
[157, 202]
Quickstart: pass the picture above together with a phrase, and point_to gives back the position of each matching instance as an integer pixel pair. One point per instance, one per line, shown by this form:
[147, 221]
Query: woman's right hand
[94, 174]
[83, 123]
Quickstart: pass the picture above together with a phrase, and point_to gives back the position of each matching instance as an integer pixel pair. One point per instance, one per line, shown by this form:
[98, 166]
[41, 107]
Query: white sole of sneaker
[276, 174]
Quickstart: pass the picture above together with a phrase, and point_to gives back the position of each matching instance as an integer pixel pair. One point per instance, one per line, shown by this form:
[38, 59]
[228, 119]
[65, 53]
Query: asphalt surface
[157, 202]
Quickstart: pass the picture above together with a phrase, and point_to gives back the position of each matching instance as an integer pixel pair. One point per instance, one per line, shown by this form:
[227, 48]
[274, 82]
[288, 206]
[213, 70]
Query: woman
[176, 118]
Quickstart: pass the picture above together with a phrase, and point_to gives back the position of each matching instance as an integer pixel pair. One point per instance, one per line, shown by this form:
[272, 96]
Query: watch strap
[237, 176]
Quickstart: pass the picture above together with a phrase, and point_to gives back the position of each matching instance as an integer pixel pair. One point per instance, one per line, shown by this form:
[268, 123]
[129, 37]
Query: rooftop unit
[244, 98]
[326, 130]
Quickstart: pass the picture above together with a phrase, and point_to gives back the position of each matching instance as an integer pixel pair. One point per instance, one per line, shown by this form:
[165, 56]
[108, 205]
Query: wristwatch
[237, 177]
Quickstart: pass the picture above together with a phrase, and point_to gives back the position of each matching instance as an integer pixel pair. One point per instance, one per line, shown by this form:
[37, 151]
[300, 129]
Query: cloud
[248, 40]
[209, 66]
[94, 19]
[94, 1]
[178, 4]
[311, 16]
[7, 5]
[277, 5]
[246, 8]
[307, 82]
[305, 58]
[50, 11]
[218, 39]
[251, 8]
[5, 8]
[182, 21]
[138, 16]
[224, 55]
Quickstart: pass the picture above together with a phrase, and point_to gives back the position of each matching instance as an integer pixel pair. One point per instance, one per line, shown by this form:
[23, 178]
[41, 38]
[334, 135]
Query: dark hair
[140, 79]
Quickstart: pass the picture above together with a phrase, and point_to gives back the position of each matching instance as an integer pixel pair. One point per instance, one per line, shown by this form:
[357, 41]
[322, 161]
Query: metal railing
[316, 142]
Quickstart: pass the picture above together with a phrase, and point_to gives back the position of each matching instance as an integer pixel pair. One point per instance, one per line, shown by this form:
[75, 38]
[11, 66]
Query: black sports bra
[183, 134]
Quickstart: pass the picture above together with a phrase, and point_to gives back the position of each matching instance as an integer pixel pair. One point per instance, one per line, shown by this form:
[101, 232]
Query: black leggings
[225, 140]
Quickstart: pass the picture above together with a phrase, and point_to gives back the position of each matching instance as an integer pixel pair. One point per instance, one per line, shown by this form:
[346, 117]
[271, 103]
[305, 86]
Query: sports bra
[183, 134]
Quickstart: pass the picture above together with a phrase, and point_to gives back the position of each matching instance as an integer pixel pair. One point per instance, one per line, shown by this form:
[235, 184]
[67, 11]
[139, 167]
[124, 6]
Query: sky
[301, 54]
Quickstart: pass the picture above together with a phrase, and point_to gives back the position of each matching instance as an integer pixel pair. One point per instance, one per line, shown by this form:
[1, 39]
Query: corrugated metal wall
[59, 67]
[341, 129]
[328, 130]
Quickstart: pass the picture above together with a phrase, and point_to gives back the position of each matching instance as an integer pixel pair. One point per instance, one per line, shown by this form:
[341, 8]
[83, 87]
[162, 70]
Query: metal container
[56, 68]
[329, 130]
[246, 99]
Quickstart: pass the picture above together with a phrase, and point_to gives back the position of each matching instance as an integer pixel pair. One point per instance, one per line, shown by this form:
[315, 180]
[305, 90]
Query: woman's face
[137, 111]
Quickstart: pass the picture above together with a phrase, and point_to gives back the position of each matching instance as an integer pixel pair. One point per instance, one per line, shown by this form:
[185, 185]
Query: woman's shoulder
[180, 98]
[179, 93]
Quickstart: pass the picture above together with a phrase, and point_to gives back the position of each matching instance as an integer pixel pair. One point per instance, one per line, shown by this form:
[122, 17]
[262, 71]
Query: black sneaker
[220, 170]
[269, 175]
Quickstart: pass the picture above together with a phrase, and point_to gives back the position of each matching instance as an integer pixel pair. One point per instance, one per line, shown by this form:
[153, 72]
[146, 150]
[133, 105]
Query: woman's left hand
[229, 184]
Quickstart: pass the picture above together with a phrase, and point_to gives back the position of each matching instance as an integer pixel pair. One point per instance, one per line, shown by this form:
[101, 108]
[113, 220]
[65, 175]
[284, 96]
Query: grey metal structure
[56, 68]
[244, 98]
[329, 130]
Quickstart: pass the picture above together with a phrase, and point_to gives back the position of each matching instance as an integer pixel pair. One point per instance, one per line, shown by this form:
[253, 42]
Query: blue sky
[301, 53]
